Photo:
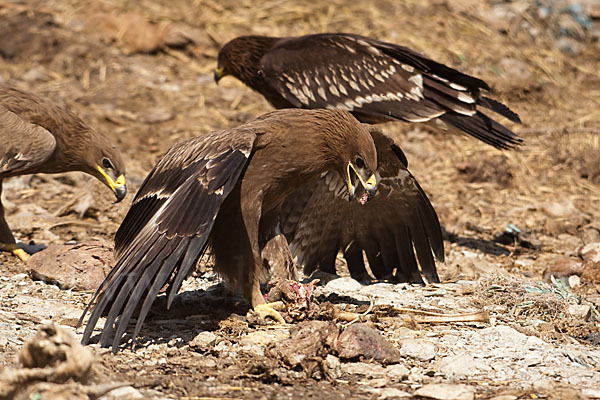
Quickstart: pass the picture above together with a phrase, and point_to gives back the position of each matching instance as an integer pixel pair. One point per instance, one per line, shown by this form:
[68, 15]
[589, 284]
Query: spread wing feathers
[377, 81]
[397, 223]
[166, 230]
[25, 145]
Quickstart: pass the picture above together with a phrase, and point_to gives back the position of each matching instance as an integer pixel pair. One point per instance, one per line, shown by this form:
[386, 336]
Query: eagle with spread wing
[225, 190]
[38, 136]
[376, 81]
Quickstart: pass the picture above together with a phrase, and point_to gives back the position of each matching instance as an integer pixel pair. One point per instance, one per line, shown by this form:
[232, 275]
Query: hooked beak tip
[217, 74]
[120, 192]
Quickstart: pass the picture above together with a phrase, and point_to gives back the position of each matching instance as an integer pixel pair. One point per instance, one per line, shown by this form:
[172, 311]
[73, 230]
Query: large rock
[81, 267]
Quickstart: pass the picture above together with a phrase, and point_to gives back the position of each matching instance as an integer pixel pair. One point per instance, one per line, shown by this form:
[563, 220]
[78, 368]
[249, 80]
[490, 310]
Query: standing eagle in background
[38, 136]
[376, 81]
[225, 190]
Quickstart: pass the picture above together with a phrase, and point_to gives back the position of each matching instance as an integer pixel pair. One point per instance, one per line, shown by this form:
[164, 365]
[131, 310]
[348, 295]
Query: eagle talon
[270, 310]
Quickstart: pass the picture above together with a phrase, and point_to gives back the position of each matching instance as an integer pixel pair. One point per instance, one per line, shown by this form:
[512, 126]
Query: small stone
[580, 311]
[393, 393]
[203, 341]
[343, 285]
[561, 209]
[378, 382]
[446, 391]
[460, 366]
[574, 281]
[334, 366]
[397, 372]
[36, 73]
[563, 266]
[123, 393]
[417, 349]
[364, 369]
[18, 277]
[591, 393]
[157, 114]
[591, 262]
[359, 340]
[505, 397]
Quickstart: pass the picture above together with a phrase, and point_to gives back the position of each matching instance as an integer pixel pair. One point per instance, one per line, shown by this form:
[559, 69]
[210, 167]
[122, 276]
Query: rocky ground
[517, 313]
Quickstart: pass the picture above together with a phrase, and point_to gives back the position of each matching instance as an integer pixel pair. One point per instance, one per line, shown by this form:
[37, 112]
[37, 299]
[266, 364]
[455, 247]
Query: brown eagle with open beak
[225, 190]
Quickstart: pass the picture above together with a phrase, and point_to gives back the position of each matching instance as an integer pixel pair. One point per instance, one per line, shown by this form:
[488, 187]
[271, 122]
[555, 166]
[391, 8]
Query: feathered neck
[241, 58]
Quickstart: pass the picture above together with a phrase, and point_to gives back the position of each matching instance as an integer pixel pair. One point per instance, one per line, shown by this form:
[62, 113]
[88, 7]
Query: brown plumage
[375, 80]
[318, 224]
[38, 136]
[224, 189]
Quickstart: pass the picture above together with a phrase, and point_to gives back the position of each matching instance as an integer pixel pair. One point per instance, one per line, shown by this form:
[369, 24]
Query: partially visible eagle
[318, 224]
[376, 81]
[225, 189]
[37, 136]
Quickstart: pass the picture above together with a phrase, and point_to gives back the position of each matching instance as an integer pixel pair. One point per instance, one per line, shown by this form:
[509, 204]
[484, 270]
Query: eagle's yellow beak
[370, 184]
[118, 186]
[218, 74]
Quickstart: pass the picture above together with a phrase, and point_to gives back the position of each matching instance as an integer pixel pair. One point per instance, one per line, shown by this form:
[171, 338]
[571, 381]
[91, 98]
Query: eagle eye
[106, 164]
[359, 162]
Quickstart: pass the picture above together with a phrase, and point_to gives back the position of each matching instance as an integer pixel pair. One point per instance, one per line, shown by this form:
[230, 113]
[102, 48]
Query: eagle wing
[379, 81]
[166, 230]
[397, 223]
[25, 145]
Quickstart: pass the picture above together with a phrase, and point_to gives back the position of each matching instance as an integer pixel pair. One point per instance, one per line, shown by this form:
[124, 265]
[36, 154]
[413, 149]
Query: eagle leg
[7, 240]
[270, 310]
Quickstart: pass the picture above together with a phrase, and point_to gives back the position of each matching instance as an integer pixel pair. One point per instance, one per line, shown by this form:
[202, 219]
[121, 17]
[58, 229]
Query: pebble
[18, 277]
[591, 393]
[123, 393]
[591, 262]
[419, 349]
[574, 281]
[364, 369]
[446, 391]
[460, 366]
[203, 340]
[360, 340]
[397, 372]
[334, 366]
[392, 393]
[343, 285]
[581, 311]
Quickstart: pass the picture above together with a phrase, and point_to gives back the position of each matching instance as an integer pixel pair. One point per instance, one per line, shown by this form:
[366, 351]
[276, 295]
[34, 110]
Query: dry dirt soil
[141, 73]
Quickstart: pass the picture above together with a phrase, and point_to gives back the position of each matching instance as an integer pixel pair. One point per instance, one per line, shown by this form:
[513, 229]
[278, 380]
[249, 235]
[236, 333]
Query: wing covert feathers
[24, 144]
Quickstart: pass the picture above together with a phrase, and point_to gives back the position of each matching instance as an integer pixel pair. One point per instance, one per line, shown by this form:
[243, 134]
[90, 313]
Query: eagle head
[359, 160]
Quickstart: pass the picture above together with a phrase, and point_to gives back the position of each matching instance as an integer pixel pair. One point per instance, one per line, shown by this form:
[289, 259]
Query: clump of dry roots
[53, 365]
